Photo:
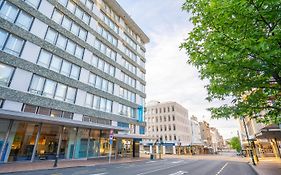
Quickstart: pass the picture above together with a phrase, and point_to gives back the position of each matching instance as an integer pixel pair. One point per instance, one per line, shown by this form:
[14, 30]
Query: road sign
[111, 137]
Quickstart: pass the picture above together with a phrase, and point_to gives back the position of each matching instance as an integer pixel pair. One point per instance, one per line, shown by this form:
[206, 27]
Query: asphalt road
[157, 167]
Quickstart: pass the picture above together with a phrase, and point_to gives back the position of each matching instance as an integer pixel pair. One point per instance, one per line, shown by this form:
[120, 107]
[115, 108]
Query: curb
[253, 168]
[75, 166]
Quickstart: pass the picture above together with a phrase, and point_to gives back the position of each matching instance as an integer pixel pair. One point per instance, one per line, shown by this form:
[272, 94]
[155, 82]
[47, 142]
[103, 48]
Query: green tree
[236, 44]
[235, 144]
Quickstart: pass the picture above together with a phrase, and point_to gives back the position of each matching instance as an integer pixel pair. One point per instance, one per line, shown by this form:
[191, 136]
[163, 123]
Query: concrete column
[75, 144]
[36, 142]
[164, 150]
[150, 149]
[157, 149]
[59, 145]
[6, 139]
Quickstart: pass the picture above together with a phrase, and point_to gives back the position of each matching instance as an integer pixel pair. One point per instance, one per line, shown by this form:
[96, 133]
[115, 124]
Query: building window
[77, 11]
[33, 3]
[127, 111]
[44, 111]
[174, 127]
[110, 23]
[102, 65]
[105, 50]
[98, 103]
[173, 108]
[105, 34]
[64, 43]
[29, 108]
[12, 13]
[173, 118]
[57, 64]
[100, 83]
[56, 113]
[52, 89]
[14, 45]
[6, 74]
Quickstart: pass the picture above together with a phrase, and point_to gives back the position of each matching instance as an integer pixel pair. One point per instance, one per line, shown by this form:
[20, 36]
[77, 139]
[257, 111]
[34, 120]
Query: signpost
[110, 142]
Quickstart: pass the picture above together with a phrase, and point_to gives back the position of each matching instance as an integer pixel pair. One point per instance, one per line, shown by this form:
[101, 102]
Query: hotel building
[70, 72]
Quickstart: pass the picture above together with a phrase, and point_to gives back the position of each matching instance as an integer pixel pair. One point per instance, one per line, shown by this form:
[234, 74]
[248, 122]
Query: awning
[30, 117]
[270, 132]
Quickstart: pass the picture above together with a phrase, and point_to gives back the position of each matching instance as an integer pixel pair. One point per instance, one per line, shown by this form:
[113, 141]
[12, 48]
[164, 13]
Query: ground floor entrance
[31, 141]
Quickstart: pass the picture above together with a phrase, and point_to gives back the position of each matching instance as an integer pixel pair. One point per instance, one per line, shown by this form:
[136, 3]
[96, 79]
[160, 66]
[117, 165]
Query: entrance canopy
[22, 116]
[270, 132]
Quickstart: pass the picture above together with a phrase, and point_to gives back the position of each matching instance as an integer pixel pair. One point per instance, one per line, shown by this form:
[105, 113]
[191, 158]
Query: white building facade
[168, 123]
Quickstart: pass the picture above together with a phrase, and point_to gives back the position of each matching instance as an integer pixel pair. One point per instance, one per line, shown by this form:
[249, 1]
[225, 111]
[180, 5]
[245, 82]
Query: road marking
[152, 171]
[152, 161]
[179, 161]
[222, 168]
[179, 173]
[99, 174]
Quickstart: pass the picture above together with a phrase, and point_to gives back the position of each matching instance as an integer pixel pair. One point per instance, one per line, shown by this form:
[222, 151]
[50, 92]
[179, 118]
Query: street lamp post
[250, 145]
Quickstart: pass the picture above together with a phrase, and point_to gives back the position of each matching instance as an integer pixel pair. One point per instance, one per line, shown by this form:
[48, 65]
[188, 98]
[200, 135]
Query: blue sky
[169, 77]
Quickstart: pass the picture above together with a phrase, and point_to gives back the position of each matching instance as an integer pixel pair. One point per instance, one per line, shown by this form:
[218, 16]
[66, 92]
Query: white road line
[179, 173]
[100, 173]
[152, 171]
[222, 168]
[152, 161]
[179, 161]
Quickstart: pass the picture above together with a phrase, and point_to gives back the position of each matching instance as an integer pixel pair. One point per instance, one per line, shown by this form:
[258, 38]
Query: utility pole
[251, 151]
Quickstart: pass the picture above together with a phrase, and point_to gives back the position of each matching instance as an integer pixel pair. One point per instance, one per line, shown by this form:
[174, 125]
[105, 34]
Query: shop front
[34, 141]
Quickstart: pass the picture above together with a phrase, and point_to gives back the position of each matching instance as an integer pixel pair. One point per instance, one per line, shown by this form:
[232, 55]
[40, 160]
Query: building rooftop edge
[128, 20]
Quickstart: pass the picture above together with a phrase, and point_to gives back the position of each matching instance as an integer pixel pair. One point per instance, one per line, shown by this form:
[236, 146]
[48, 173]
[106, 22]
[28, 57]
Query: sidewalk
[43, 165]
[268, 166]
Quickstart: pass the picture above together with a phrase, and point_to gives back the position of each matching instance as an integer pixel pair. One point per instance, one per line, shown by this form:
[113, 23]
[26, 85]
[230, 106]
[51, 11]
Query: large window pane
[75, 29]
[24, 20]
[104, 85]
[3, 37]
[49, 88]
[108, 106]
[33, 3]
[56, 63]
[61, 42]
[101, 64]
[9, 11]
[70, 47]
[57, 16]
[110, 87]
[56, 113]
[14, 45]
[83, 34]
[36, 85]
[79, 13]
[70, 96]
[94, 61]
[51, 36]
[79, 52]
[44, 58]
[6, 73]
[89, 100]
[60, 91]
[92, 79]
[75, 71]
[103, 104]
[71, 6]
[66, 23]
[65, 69]
[96, 102]
[98, 82]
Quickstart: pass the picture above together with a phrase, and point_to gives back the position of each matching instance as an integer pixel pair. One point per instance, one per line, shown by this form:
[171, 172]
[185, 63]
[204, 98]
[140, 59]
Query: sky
[168, 76]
